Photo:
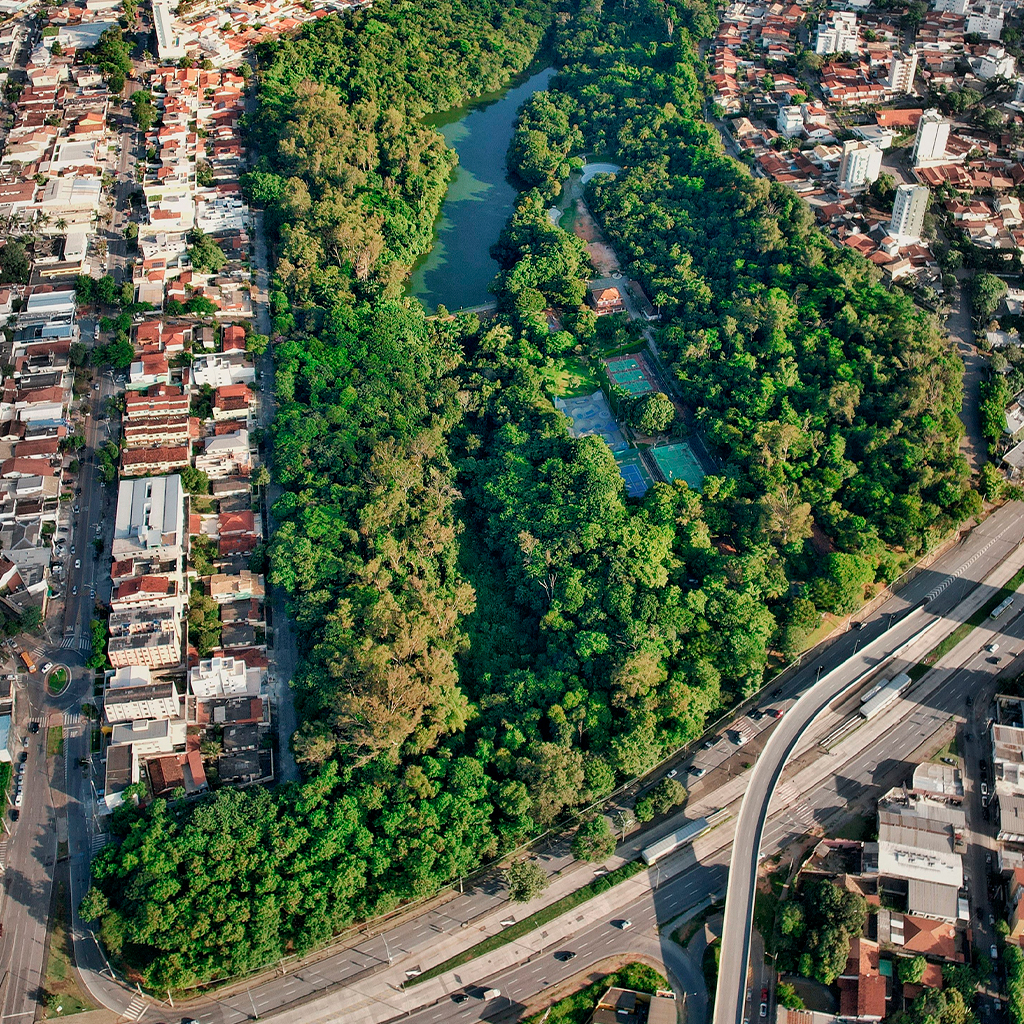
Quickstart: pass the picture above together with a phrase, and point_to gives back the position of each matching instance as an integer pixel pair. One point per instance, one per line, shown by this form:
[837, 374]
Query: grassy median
[527, 925]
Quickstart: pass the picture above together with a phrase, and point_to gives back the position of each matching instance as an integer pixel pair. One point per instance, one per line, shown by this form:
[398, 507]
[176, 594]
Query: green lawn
[63, 997]
[569, 377]
[55, 741]
[57, 680]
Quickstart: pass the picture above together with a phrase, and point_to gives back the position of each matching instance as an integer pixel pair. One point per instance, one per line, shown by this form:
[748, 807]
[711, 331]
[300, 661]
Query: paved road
[972, 445]
[416, 941]
[988, 545]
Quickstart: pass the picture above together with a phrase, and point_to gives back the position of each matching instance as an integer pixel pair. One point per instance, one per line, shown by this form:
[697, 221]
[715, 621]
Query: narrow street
[972, 444]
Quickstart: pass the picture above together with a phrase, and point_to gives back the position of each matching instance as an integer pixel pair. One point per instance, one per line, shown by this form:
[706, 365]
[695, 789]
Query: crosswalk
[98, 841]
[72, 717]
[136, 1008]
[81, 643]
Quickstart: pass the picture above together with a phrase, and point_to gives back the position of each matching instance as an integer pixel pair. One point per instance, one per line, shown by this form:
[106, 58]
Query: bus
[27, 659]
[682, 837]
[1001, 607]
[888, 694]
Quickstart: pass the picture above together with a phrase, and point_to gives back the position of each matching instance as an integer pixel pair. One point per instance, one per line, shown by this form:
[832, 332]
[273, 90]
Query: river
[458, 269]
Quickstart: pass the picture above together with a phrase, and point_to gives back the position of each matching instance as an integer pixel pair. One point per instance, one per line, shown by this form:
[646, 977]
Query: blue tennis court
[622, 365]
[634, 474]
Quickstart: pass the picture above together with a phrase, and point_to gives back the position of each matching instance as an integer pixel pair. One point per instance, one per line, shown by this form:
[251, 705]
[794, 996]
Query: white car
[18, 799]
[47, 665]
[78, 563]
[993, 951]
[992, 648]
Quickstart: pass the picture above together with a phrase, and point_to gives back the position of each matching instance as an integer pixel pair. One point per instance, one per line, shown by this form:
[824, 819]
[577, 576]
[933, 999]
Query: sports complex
[640, 467]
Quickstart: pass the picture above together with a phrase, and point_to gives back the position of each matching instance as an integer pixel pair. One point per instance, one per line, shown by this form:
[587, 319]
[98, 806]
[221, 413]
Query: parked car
[15, 814]
[696, 771]
[707, 744]
[949, 760]
[993, 951]
[33, 727]
[984, 789]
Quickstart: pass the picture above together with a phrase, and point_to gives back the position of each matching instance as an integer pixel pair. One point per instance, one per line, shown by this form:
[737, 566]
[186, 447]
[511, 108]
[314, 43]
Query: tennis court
[627, 376]
[634, 473]
[622, 365]
[637, 387]
[677, 462]
[591, 414]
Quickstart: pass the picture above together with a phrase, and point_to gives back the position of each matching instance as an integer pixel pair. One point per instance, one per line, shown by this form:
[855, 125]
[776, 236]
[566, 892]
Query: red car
[776, 712]
[764, 995]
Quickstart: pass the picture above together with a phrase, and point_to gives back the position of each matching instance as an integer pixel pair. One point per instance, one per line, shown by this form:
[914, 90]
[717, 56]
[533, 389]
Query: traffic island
[58, 680]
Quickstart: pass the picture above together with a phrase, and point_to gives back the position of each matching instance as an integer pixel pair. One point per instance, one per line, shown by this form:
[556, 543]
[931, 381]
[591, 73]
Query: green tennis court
[638, 387]
[634, 473]
[677, 462]
[626, 376]
[621, 365]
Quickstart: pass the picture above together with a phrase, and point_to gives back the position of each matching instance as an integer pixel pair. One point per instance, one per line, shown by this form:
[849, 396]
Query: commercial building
[908, 213]
[150, 519]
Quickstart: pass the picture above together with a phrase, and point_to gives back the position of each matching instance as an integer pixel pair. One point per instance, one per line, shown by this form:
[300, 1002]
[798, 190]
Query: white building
[150, 518]
[860, 165]
[986, 20]
[224, 677]
[902, 72]
[838, 34]
[995, 64]
[908, 210]
[790, 121]
[932, 136]
[170, 44]
[950, 6]
[131, 696]
[150, 737]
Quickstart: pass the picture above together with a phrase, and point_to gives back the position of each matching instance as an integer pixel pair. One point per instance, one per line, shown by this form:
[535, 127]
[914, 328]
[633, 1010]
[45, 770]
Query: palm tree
[61, 224]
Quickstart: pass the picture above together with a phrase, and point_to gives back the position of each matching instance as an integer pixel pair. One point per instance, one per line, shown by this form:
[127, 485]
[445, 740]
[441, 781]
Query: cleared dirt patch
[601, 254]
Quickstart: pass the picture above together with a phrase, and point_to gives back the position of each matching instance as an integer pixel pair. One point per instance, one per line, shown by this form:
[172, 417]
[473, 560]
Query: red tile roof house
[237, 533]
[861, 986]
[233, 338]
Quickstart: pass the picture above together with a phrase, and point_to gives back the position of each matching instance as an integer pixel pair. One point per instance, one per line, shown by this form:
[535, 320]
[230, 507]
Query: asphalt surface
[944, 586]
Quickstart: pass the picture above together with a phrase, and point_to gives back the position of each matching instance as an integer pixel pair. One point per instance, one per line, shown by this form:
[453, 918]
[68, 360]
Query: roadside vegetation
[493, 635]
[579, 1007]
[62, 995]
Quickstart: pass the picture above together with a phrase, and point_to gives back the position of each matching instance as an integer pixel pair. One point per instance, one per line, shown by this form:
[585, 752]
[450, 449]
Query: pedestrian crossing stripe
[72, 717]
[136, 1008]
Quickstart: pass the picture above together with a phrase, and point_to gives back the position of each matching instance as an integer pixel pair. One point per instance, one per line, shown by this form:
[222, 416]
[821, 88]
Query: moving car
[459, 997]
[624, 924]
[776, 712]
[47, 665]
[764, 1009]
[565, 956]
[764, 995]
[695, 771]
[78, 562]
[491, 993]
[993, 951]
[707, 744]
[33, 727]
[992, 648]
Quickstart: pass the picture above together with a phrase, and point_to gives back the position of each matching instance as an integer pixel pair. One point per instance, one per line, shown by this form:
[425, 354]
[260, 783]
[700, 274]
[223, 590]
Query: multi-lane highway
[364, 986]
[948, 599]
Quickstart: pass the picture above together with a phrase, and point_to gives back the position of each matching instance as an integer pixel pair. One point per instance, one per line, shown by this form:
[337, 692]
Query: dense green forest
[493, 634]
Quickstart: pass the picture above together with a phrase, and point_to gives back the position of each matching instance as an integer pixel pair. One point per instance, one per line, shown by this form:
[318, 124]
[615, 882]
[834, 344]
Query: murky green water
[458, 269]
